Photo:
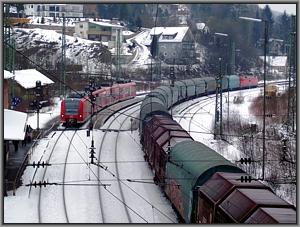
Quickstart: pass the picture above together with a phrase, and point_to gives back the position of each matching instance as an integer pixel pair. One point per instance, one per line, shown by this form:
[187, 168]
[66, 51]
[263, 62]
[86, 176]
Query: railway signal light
[36, 105]
[38, 89]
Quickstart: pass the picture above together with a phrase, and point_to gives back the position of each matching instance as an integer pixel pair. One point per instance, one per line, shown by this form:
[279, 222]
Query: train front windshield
[71, 106]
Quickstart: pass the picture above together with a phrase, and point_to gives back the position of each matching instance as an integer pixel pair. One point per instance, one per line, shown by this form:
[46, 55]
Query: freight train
[202, 186]
[76, 108]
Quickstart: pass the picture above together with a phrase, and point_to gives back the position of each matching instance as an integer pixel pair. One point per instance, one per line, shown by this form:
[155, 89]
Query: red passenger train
[76, 108]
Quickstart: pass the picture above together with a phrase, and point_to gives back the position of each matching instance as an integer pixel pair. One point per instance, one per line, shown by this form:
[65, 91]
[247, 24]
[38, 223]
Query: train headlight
[62, 115]
[80, 116]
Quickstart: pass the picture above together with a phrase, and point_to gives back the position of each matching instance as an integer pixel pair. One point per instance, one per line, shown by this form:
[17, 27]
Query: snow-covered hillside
[44, 48]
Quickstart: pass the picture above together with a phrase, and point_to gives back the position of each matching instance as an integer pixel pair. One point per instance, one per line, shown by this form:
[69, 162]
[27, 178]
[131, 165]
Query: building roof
[28, 77]
[15, 123]
[177, 32]
[105, 24]
[275, 60]
[8, 75]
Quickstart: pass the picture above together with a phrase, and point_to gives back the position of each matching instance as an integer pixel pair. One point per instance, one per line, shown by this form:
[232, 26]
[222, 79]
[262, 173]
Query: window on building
[57, 8]
[31, 6]
[52, 8]
[43, 8]
[81, 26]
[51, 14]
[38, 8]
[169, 36]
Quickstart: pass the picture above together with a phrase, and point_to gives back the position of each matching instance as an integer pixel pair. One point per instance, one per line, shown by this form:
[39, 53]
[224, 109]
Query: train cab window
[71, 106]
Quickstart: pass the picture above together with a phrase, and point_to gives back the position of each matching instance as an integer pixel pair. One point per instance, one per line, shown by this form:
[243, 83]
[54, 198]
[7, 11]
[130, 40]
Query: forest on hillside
[222, 18]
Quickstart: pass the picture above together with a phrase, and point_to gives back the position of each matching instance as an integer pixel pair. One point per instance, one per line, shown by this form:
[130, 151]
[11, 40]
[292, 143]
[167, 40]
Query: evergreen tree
[284, 27]
[256, 31]
[138, 22]
[267, 15]
[124, 12]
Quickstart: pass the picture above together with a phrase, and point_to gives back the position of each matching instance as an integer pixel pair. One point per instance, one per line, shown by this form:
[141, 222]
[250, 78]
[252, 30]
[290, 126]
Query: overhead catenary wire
[136, 118]
[123, 183]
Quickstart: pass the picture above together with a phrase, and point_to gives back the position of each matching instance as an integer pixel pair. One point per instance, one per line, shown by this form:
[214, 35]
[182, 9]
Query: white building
[174, 44]
[276, 64]
[54, 10]
[99, 31]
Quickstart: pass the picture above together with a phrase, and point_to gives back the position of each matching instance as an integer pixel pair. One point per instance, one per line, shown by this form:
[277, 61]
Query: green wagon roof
[192, 164]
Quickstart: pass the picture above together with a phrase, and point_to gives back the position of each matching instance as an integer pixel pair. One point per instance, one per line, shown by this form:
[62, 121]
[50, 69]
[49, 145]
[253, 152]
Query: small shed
[15, 123]
[25, 87]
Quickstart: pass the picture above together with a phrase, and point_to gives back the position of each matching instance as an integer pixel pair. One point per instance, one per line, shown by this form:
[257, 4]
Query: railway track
[122, 198]
[59, 208]
[56, 200]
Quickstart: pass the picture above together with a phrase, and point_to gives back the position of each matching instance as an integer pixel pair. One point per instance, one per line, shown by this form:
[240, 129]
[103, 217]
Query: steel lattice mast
[218, 105]
[63, 57]
[292, 77]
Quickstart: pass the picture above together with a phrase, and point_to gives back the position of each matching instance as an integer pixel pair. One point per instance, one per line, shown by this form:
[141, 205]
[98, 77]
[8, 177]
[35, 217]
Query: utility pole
[292, 78]
[9, 51]
[218, 104]
[63, 56]
[266, 28]
[172, 77]
[118, 54]
[228, 88]
[232, 57]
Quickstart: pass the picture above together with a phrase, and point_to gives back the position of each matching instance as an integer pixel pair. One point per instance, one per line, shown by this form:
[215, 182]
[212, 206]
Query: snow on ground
[202, 125]
[45, 115]
[142, 53]
[146, 200]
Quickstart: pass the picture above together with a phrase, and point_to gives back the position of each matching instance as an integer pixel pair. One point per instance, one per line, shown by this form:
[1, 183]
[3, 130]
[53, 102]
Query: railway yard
[105, 171]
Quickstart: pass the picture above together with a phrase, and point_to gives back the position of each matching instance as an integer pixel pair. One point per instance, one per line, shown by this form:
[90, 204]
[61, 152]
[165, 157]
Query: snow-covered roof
[177, 32]
[128, 33]
[275, 60]
[106, 24]
[15, 123]
[13, 9]
[28, 77]
[8, 74]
